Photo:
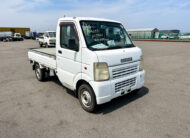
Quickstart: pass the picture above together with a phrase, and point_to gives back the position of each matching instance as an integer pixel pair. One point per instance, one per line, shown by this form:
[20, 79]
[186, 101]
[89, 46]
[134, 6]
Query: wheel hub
[86, 98]
[38, 73]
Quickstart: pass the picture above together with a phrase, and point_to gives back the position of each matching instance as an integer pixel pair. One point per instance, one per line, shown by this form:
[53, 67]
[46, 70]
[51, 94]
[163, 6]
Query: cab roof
[50, 31]
[86, 18]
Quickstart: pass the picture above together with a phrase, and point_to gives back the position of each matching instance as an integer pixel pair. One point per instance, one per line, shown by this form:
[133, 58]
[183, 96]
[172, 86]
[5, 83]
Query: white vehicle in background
[165, 36]
[17, 37]
[6, 36]
[48, 39]
[184, 36]
[93, 57]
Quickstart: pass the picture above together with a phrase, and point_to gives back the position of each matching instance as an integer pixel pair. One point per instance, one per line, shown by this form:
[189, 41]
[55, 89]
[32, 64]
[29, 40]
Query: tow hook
[122, 92]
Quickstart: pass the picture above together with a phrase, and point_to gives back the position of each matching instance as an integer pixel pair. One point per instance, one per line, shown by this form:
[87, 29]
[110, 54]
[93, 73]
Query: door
[68, 54]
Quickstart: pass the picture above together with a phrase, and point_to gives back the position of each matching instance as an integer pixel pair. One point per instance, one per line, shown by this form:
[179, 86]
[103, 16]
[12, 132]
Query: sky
[42, 15]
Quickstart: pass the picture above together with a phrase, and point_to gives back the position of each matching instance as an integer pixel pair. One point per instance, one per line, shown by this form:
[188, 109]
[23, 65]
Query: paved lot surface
[32, 109]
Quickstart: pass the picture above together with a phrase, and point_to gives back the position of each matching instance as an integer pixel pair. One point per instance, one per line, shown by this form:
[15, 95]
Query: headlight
[51, 41]
[141, 64]
[101, 72]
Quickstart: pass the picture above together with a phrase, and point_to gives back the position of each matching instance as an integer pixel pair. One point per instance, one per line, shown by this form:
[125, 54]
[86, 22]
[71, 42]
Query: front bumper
[105, 91]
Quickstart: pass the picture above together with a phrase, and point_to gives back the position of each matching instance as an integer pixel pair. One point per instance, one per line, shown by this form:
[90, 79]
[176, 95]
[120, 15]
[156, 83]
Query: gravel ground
[33, 109]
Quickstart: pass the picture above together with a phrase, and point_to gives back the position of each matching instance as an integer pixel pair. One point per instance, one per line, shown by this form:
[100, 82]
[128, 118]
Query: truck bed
[43, 56]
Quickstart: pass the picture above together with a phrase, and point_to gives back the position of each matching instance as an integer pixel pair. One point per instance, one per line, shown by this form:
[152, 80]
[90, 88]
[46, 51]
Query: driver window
[68, 37]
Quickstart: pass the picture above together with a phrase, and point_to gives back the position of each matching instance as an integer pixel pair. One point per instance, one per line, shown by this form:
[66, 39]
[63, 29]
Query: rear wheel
[40, 73]
[87, 98]
[40, 44]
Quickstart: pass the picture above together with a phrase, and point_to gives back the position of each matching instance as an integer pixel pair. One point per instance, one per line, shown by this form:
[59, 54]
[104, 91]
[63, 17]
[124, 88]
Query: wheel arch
[79, 83]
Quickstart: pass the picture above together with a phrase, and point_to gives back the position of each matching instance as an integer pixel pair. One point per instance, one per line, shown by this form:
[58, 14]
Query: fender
[81, 76]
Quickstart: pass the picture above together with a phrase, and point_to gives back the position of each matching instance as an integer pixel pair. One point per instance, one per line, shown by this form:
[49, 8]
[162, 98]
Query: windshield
[52, 34]
[105, 35]
[17, 35]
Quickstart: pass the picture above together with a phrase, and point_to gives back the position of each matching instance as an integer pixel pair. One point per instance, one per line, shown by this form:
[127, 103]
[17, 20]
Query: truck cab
[93, 57]
[48, 39]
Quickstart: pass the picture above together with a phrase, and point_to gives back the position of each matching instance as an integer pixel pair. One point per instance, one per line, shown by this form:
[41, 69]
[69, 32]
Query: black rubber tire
[46, 45]
[40, 44]
[41, 75]
[92, 106]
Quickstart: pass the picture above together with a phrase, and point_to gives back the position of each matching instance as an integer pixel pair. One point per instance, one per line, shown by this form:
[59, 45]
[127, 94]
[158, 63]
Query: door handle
[59, 51]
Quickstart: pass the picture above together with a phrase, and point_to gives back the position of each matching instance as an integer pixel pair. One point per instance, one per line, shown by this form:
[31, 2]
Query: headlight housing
[101, 71]
[51, 41]
[141, 67]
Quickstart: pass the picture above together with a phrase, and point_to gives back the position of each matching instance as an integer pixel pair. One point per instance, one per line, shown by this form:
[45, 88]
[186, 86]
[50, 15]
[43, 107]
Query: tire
[46, 45]
[87, 98]
[40, 73]
[40, 44]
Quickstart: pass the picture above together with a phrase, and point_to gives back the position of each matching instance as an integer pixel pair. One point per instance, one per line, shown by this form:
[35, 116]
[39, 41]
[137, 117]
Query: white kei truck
[93, 57]
[48, 39]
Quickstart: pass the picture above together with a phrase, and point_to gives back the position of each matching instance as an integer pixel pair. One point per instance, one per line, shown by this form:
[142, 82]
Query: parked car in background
[166, 36]
[17, 37]
[48, 39]
[184, 36]
[6, 36]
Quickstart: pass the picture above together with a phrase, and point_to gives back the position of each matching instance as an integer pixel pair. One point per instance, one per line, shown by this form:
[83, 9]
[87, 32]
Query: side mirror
[73, 45]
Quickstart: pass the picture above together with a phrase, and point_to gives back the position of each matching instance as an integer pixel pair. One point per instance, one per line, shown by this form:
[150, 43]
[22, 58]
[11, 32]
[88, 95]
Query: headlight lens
[101, 72]
[141, 64]
[51, 41]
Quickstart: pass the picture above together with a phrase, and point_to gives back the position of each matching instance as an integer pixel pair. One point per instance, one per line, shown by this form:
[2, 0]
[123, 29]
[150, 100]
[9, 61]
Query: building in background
[20, 30]
[148, 33]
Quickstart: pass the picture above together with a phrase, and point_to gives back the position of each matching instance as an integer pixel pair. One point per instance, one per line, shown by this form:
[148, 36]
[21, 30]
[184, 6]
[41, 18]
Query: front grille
[52, 43]
[116, 73]
[127, 83]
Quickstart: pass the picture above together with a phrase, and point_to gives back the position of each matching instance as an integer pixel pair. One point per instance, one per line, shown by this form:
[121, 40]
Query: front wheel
[87, 98]
[46, 45]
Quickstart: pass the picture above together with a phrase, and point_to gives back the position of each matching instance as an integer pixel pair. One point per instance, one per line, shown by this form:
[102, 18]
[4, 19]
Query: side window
[68, 37]
[45, 34]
